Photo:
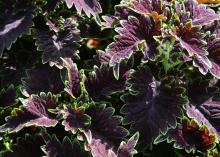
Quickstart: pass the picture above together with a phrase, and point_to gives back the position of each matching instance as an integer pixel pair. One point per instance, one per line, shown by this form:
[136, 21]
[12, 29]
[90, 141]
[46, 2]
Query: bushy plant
[109, 78]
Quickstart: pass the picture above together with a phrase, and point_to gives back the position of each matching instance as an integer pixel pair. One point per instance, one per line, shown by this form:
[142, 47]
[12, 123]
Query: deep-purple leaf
[74, 119]
[7, 97]
[102, 82]
[25, 147]
[51, 5]
[152, 106]
[200, 90]
[104, 134]
[66, 148]
[42, 79]
[58, 44]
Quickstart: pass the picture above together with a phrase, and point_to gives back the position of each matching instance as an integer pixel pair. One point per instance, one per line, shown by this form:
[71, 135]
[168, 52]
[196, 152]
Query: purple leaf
[122, 12]
[213, 27]
[25, 147]
[66, 148]
[88, 6]
[74, 119]
[101, 82]
[104, 134]
[200, 14]
[58, 44]
[147, 6]
[73, 78]
[103, 56]
[135, 34]
[191, 39]
[127, 149]
[42, 79]
[190, 136]
[207, 113]
[153, 8]
[13, 24]
[110, 21]
[152, 106]
[34, 112]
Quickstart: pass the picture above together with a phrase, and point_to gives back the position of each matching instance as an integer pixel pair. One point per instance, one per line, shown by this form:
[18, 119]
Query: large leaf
[34, 112]
[135, 34]
[102, 82]
[58, 44]
[13, 24]
[25, 147]
[200, 14]
[42, 79]
[88, 6]
[66, 148]
[104, 134]
[152, 106]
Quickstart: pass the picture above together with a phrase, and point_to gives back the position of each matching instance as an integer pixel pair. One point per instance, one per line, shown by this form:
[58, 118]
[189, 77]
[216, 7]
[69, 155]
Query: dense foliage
[109, 78]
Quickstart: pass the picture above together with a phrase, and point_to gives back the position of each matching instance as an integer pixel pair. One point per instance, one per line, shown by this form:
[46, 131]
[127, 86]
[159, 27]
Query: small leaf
[74, 119]
[127, 149]
[73, 78]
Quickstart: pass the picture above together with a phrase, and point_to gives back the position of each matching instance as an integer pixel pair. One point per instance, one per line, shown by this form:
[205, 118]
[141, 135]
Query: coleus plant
[108, 78]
